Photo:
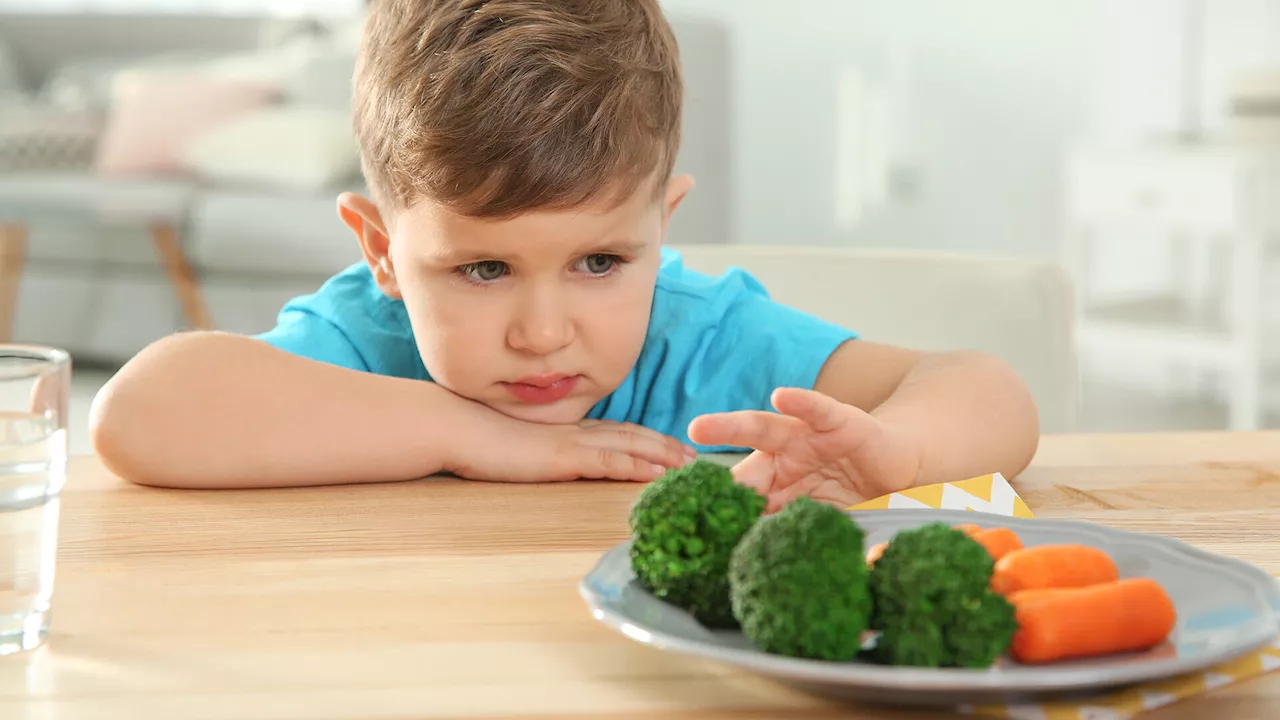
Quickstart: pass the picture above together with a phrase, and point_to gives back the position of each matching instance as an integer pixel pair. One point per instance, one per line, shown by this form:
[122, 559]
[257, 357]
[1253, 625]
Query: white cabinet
[1217, 212]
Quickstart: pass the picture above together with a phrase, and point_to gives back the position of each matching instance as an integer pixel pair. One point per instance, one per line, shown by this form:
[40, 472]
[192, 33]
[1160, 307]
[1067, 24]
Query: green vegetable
[798, 583]
[934, 606]
[983, 630]
[684, 527]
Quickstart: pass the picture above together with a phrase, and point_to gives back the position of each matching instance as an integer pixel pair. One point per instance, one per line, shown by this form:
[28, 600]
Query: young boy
[516, 318]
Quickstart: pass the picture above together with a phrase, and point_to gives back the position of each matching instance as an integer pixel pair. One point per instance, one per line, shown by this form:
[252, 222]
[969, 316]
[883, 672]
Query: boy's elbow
[1022, 410]
[128, 422]
[1009, 383]
[117, 432]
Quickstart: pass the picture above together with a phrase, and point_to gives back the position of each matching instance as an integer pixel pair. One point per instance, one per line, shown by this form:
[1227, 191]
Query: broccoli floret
[798, 582]
[933, 602]
[916, 640]
[684, 527]
[983, 630]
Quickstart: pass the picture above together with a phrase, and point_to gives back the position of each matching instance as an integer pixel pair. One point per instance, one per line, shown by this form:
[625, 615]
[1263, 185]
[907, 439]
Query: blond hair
[497, 107]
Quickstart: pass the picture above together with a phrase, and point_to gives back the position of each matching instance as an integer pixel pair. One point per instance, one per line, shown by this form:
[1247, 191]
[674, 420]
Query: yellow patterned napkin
[993, 494]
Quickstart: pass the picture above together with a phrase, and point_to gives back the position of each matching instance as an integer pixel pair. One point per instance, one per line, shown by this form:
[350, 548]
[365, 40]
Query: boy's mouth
[542, 389]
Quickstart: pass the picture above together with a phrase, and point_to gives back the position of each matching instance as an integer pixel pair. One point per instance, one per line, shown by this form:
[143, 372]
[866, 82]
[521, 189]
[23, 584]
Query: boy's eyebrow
[627, 246]
[463, 256]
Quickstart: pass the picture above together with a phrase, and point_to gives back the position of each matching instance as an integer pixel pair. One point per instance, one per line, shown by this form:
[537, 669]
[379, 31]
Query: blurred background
[173, 163]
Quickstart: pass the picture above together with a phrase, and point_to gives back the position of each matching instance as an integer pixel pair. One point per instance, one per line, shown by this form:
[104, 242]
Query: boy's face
[539, 316]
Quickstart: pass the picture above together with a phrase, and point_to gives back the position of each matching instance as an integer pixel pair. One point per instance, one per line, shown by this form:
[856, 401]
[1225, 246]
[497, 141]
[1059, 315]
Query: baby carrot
[874, 552]
[1114, 617]
[1052, 566]
[968, 528]
[998, 541]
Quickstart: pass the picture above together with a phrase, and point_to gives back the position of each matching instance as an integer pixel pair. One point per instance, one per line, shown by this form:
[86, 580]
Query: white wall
[986, 96]
[982, 95]
[998, 90]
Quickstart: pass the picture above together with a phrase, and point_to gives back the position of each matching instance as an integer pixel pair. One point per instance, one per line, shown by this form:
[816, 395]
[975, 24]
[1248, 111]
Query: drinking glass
[34, 385]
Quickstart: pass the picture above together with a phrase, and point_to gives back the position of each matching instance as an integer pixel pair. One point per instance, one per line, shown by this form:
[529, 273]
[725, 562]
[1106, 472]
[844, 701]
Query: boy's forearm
[970, 415]
[210, 410]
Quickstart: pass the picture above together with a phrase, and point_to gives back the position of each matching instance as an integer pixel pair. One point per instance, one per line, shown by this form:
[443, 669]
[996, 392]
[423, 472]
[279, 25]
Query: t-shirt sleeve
[760, 345]
[306, 334]
[350, 323]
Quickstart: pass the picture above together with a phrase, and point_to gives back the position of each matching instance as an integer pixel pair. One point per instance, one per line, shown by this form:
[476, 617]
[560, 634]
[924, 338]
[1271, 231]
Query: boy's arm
[215, 410]
[219, 410]
[969, 413]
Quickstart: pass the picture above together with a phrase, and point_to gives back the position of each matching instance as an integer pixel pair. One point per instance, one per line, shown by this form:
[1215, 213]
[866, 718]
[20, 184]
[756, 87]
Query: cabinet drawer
[1195, 192]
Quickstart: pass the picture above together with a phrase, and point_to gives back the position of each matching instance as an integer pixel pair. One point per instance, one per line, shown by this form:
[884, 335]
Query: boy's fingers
[649, 445]
[603, 463]
[753, 429]
[821, 412]
[600, 425]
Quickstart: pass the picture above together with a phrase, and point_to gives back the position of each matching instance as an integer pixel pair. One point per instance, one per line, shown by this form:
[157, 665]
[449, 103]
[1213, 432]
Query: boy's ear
[677, 189]
[362, 216]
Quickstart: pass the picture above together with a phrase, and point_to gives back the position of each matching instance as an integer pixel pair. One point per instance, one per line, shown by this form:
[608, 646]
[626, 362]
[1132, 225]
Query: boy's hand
[815, 446]
[509, 450]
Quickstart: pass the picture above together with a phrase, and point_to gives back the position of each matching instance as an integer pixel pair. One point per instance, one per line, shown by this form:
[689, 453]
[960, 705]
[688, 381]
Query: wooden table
[449, 599]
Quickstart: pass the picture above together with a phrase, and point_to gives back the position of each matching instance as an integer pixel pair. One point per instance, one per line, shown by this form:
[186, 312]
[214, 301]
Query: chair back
[1020, 310]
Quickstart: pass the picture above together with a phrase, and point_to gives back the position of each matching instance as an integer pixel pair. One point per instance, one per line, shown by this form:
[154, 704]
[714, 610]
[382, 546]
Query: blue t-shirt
[713, 344]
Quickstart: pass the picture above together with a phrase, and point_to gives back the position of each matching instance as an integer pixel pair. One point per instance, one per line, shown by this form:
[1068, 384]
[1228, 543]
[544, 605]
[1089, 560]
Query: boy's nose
[540, 328]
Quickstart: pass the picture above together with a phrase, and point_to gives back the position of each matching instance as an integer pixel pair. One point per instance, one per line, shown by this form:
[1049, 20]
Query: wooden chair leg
[13, 259]
[184, 281]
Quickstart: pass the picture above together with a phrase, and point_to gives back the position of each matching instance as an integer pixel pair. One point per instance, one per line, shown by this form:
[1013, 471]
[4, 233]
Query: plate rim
[1018, 680]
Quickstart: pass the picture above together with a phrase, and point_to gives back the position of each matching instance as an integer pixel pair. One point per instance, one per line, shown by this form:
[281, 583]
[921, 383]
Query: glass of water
[35, 383]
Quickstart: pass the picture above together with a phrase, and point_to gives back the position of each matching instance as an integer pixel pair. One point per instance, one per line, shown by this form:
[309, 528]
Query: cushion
[300, 149]
[82, 85]
[156, 114]
[87, 84]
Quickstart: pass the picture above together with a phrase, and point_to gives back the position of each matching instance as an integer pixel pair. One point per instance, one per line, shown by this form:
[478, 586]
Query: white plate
[1226, 608]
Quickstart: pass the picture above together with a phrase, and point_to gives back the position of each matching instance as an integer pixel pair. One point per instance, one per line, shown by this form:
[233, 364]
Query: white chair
[1017, 309]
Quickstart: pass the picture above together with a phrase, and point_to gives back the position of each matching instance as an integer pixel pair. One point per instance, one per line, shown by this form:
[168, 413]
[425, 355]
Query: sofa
[117, 229]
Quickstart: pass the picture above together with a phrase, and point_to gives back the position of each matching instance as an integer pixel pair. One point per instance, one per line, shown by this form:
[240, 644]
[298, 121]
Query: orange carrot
[874, 552]
[968, 528]
[1034, 593]
[998, 541]
[1114, 617]
[1052, 566]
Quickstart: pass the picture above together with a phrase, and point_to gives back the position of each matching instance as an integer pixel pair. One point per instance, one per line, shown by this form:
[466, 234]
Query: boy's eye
[487, 271]
[599, 263]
